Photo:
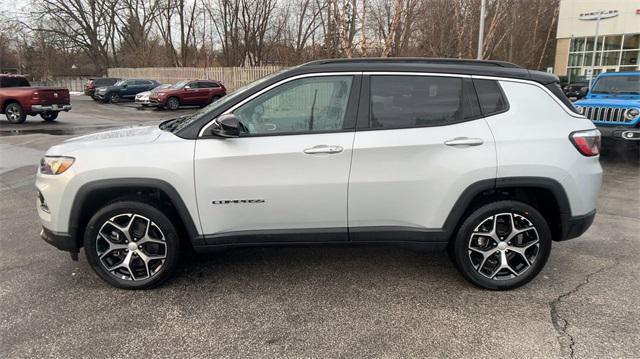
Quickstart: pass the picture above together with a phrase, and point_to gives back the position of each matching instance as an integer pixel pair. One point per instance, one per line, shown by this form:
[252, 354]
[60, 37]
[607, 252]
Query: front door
[285, 178]
[191, 93]
[422, 143]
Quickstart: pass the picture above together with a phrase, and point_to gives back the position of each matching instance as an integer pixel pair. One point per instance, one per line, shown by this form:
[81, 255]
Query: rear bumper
[62, 241]
[620, 132]
[577, 225]
[50, 108]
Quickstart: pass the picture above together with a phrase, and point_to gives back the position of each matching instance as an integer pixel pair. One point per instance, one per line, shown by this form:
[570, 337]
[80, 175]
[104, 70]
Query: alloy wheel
[131, 247]
[503, 246]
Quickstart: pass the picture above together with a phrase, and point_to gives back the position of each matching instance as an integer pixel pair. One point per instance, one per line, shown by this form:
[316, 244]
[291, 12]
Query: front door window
[315, 104]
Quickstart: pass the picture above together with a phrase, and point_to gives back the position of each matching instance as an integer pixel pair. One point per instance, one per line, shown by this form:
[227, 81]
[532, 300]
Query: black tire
[119, 210]
[463, 253]
[15, 113]
[114, 98]
[172, 103]
[215, 98]
[49, 116]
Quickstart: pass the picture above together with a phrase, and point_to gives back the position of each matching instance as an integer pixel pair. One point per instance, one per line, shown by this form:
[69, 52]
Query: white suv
[484, 158]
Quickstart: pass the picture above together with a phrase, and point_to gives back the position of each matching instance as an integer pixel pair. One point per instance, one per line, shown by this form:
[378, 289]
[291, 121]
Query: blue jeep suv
[613, 104]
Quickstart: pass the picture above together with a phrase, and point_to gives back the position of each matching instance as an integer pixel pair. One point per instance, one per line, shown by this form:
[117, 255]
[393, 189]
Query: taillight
[586, 142]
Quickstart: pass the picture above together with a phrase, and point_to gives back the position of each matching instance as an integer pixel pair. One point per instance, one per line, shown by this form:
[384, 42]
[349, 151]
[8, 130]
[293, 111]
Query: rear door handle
[464, 141]
[323, 149]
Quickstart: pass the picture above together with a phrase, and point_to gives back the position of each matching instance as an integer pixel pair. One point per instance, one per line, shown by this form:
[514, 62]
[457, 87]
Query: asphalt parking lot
[310, 301]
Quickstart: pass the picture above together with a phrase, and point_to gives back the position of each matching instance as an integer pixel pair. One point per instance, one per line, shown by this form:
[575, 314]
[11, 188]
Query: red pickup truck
[18, 99]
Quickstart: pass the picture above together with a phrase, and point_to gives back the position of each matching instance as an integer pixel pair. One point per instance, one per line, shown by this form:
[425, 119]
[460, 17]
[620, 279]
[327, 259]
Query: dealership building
[617, 47]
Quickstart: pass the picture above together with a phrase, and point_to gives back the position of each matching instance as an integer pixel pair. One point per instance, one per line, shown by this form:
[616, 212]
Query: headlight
[631, 113]
[579, 108]
[160, 94]
[55, 165]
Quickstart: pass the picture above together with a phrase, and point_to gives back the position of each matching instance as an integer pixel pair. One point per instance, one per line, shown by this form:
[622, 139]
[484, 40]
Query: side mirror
[226, 126]
[584, 91]
[186, 87]
[124, 85]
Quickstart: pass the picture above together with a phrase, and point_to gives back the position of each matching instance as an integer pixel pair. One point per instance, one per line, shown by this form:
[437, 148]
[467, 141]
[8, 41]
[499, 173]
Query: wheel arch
[93, 195]
[545, 194]
[8, 101]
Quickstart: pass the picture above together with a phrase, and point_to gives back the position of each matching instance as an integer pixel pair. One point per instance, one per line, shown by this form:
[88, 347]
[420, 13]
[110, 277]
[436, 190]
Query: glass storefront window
[610, 58]
[573, 74]
[630, 58]
[575, 60]
[577, 44]
[612, 42]
[631, 41]
[589, 55]
[589, 44]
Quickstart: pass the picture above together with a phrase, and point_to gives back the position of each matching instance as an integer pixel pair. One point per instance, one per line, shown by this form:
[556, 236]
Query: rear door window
[400, 101]
[13, 81]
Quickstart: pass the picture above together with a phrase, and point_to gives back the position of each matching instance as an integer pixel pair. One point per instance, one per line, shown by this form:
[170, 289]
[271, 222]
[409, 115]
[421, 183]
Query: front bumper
[50, 108]
[620, 132]
[62, 241]
[145, 102]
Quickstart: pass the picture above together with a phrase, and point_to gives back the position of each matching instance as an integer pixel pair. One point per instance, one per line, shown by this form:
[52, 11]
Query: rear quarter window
[491, 98]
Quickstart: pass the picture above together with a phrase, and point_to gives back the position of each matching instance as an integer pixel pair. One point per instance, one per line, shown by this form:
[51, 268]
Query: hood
[119, 137]
[609, 100]
[143, 94]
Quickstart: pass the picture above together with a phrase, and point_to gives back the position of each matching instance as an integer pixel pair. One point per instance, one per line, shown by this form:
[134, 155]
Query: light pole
[481, 32]
[597, 16]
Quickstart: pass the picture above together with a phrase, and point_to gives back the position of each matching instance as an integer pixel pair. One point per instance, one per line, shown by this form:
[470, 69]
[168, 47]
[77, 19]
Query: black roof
[423, 64]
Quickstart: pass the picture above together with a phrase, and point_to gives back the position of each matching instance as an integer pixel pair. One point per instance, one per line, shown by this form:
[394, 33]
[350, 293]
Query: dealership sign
[595, 15]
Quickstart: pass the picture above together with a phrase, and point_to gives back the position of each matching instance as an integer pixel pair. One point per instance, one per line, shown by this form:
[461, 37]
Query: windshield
[119, 83]
[179, 85]
[184, 121]
[162, 87]
[618, 85]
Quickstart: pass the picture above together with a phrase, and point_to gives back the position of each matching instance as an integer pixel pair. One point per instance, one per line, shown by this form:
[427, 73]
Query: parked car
[484, 158]
[613, 104]
[576, 90]
[19, 99]
[124, 89]
[92, 84]
[143, 97]
[191, 92]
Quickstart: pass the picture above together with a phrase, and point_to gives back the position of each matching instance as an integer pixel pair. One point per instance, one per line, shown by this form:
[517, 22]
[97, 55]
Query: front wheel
[132, 245]
[49, 116]
[502, 245]
[172, 103]
[114, 98]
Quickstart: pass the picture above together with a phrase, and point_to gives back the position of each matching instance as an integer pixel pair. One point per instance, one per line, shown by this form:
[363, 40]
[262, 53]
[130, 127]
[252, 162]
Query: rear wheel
[502, 245]
[172, 103]
[49, 116]
[15, 113]
[132, 245]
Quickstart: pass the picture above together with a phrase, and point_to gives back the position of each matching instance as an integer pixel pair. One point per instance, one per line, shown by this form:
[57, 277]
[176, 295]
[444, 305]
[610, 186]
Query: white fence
[72, 83]
[231, 77]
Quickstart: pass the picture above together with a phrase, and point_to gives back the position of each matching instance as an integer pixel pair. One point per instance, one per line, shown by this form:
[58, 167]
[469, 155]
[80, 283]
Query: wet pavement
[312, 301]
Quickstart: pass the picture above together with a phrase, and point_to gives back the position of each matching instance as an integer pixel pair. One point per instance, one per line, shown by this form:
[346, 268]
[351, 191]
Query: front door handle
[323, 149]
[464, 141]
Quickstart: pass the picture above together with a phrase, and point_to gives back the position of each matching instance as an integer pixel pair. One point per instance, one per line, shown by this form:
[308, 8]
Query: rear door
[285, 178]
[420, 142]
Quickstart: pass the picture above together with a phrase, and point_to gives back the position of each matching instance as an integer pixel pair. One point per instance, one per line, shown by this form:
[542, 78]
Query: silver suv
[485, 159]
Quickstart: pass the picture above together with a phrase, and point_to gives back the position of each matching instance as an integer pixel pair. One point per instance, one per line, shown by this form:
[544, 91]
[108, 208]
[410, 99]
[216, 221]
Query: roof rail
[423, 60]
